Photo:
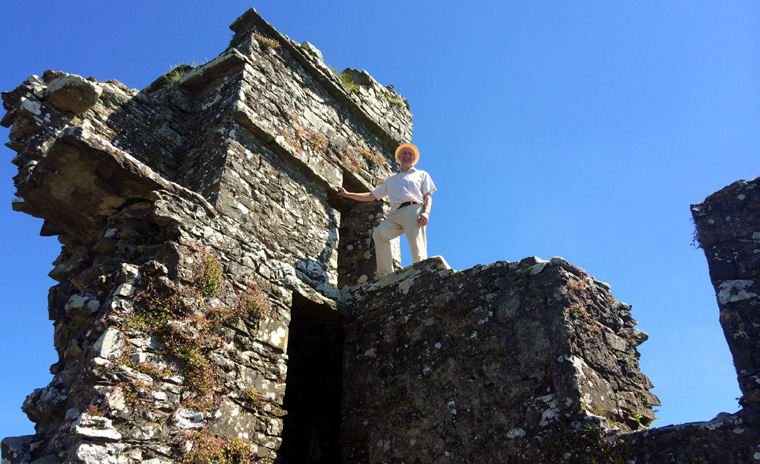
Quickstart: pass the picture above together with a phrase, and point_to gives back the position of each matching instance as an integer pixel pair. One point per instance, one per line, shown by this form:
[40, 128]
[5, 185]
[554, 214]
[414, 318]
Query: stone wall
[487, 364]
[728, 230]
[217, 299]
[130, 300]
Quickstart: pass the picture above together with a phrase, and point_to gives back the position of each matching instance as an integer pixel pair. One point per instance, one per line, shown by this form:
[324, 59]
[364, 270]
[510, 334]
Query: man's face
[406, 156]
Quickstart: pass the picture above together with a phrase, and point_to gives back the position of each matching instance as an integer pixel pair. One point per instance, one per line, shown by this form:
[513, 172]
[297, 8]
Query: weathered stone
[188, 419]
[81, 305]
[444, 364]
[109, 344]
[72, 93]
[89, 453]
[90, 427]
[15, 450]
[234, 420]
[45, 403]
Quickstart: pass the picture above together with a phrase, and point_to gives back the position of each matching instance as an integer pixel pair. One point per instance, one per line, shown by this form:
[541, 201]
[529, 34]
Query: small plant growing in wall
[577, 286]
[578, 313]
[293, 143]
[586, 444]
[235, 41]
[190, 347]
[155, 308]
[71, 328]
[96, 410]
[147, 368]
[351, 161]
[352, 156]
[254, 398]
[333, 69]
[208, 275]
[129, 392]
[206, 448]
[393, 100]
[188, 320]
[348, 81]
[316, 140]
[372, 157]
[177, 72]
[253, 302]
[648, 422]
[266, 41]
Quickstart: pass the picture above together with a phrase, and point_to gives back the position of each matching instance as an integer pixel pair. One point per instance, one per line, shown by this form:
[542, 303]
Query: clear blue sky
[582, 129]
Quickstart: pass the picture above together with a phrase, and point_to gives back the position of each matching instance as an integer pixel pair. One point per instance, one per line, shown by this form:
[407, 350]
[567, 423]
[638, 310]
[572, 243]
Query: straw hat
[411, 147]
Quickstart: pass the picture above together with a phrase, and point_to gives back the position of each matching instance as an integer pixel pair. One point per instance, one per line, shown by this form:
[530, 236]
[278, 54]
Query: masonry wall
[728, 230]
[121, 389]
[487, 364]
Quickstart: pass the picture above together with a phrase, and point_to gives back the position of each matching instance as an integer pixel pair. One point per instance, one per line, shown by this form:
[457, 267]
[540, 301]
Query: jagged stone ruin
[216, 299]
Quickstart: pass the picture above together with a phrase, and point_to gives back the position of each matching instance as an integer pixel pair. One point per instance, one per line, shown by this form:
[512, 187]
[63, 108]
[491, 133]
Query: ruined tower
[216, 299]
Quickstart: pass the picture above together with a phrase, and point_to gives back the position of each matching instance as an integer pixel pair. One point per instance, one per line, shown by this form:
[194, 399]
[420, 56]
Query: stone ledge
[82, 179]
[202, 75]
[403, 277]
[327, 174]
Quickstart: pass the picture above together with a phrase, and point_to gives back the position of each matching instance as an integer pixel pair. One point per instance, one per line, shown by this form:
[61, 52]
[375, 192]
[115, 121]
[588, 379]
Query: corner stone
[72, 93]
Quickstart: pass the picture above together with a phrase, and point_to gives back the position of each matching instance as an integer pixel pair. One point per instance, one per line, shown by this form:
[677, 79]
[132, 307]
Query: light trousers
[402, 221]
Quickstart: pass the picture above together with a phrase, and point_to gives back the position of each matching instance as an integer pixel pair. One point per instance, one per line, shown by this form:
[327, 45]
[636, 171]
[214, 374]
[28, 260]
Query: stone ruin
[216, 299]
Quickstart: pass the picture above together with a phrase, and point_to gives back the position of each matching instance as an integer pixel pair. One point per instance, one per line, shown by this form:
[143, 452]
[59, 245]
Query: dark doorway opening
[311, 429]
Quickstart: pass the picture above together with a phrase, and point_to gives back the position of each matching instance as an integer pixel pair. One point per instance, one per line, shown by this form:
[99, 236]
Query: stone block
[72, 93]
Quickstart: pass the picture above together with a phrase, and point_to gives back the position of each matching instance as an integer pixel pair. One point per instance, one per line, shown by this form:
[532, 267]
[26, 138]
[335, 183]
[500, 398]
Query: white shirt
[411, 185]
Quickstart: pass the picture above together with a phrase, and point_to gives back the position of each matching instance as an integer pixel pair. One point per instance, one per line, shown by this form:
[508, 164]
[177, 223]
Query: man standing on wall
[410, 192]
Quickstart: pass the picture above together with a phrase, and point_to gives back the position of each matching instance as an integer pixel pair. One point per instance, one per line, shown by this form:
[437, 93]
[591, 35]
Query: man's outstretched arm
[366, 196]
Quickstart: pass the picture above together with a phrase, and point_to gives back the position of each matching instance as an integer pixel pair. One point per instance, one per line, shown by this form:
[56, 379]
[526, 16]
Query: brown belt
[407, 203]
